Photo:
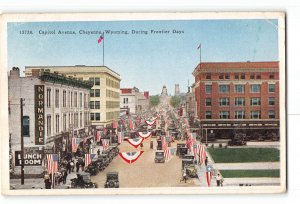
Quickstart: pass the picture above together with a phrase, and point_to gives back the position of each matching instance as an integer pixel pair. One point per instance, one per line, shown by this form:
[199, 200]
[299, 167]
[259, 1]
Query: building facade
[134, 101]
[237, 96]
[55, 109]
[104, 95]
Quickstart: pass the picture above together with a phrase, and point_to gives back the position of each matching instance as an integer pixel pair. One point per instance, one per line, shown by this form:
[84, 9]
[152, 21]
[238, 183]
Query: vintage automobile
[182, 151]
[112, 180]
[159, 157]
[189, 166]
[83, 180]
[179, 146]
[159, 145]
[188, 156]
[238, 140]
[92, 168]
[115, 149]
[210, 137]
[100, 163]
[110, 154]
[104, 158]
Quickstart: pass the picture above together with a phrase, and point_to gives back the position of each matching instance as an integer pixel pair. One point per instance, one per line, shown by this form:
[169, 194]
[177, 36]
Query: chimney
[15, 72]
[146, 94]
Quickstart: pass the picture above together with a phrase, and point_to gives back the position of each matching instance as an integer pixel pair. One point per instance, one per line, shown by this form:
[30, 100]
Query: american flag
[75, 144]
[115, 125]
[202, 154]
[98, 136]
[105, 144]
[164, 143]
[208, 174]
[88, 159]
[196, 151]
[130, 125]
[52, 163]
[120, 137]
[169, 152]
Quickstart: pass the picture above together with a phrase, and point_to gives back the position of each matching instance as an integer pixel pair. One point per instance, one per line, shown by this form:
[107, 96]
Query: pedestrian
[184, 175]
[98, 152]
[142, 145]
[77, 166]
[47, 181]
[69, 167]
[206, 160]
[72, 164]
[64, 176]
[218, 178]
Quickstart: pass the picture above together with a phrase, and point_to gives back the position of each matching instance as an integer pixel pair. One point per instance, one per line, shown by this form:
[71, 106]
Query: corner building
[237, 97]
[104, 95]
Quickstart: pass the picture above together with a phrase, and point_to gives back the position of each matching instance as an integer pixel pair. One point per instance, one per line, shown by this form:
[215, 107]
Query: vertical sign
[39, 114]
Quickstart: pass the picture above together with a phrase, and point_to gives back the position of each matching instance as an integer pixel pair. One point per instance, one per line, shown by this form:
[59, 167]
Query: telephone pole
[22, 143]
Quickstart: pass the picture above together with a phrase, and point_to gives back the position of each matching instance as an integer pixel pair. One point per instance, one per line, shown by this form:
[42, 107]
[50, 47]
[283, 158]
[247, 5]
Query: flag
[130, 157]
[164, 143]
[199, 47]
[52, 163]
[88, 159]
[202, 154]
[120, 137]
[169, 152]
[105, 144]
[104, 131]
[145, 136]
[209, 174]
[75, 144]
[98, 136]
[196, 151]
[135, 142]
[114, 125]
[130, 125]
[100, 39]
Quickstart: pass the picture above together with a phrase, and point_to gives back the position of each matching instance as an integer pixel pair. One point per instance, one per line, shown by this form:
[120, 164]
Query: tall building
[237, 96]
[55, 108]
[104, 95]
[177, 90]
[133, 101]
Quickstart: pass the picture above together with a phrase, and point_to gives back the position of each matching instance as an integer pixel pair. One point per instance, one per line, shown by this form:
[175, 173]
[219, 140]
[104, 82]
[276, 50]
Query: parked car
[83, 180]
[112, 180]
[159, 157]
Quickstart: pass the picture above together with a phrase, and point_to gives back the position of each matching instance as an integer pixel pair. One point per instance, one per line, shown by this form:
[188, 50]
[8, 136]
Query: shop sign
[39, 93]
[32, 158]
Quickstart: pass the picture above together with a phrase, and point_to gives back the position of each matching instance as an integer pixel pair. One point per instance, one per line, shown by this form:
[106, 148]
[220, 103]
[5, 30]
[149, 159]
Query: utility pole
[22, 143]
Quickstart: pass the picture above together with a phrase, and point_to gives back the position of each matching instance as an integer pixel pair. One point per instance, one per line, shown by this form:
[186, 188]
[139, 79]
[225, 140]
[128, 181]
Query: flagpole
[200, 53]
[103, 48]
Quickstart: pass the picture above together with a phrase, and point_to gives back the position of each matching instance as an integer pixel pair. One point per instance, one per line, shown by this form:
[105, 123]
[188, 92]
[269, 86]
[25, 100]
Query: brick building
[237, 96]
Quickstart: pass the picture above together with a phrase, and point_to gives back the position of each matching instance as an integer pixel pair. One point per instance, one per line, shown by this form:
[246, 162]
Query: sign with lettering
[39, 114]
[32, 158]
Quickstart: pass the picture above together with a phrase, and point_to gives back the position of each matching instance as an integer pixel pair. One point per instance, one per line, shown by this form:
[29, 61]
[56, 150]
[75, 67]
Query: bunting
[75, 143]
[131, 157]
[135, 142]
[145, 136]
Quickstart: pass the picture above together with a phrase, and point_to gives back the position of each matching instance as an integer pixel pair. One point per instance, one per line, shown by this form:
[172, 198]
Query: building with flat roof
[237, 96]
[104, 95]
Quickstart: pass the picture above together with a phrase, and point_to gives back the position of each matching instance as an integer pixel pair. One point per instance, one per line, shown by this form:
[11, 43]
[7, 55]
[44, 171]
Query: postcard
[143, 103]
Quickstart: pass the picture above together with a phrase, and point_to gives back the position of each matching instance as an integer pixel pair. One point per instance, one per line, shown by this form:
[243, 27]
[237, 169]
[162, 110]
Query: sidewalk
[251, 181]
[245, 166]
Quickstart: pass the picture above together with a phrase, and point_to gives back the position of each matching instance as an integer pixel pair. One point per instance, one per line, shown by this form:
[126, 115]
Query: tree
[175, 101]
[154, 100]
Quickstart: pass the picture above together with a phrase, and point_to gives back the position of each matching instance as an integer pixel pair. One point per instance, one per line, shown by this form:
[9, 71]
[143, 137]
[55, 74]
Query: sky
[146, 61]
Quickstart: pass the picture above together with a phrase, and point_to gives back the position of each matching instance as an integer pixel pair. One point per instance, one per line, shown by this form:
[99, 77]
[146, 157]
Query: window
[227, 76]
[224, 88]
[92, 105]
[125, 100]
[224, 114]
[75, 99]
[239, 115]
[208, 114]
[92, 93]
[80, 100]
[97, 115]
[271, 88]
[221, 76]
[97, 104]
[271, 114]
[26, 126]
[80, 118]
[271, 76]
[208, 102]
[56, 98]
[239, 101]
[71, 99]
[258, 76]
[57, 123]
[64, 98]
[97, 81]
[239, 88]
[255, 88]
[243, 76]
[76, 120]
[252, 76]
[92, 80]
[64, 125]
[207, 76]
[255, 101]
[271, 101]
[48, 97]
[48, 125]
[207, 88]
[224, 101]
[255, 114]
[97, 92]
[236, 76]
[92, 116]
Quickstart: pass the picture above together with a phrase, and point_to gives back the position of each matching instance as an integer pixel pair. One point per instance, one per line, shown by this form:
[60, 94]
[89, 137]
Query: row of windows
[240, 114]
[95, 93]
[239, 101]
[112, 83]
[239, 76]
[95, 116]
[112, 94]
[254, 88]
[94, 104]
[68, 100]
[112, 104]
[95, 81]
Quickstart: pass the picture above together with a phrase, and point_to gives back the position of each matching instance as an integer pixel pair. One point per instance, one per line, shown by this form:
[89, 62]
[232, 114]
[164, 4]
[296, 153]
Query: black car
[83, 180]
[159, 157]
[104, 158]
[93, 168]
[112, 180]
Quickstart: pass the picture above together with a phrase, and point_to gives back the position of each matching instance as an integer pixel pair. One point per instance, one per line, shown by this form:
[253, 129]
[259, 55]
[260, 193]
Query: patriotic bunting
[208, 175]
[169, 152]
[130, 157]
[88, 158]
[135, 142]
[145, 136]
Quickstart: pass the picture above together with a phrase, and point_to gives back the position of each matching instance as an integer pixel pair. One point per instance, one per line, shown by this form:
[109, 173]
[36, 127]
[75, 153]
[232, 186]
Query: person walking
[47, 181]
[184, 175]
[72, 164]
[68, 167]
[218, 178]
[98, 152]
[206, 161]
[64, 176]
[77, 166]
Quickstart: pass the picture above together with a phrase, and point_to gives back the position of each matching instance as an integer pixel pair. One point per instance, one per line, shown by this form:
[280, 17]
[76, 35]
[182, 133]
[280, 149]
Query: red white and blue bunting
[130, 157]
[135, 142]
[144, 135]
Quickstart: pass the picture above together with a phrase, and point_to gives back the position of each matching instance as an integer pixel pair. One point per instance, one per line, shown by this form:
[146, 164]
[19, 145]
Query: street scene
[98, 105]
